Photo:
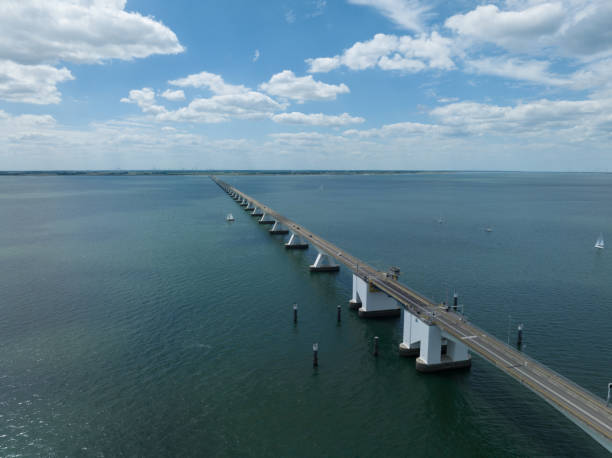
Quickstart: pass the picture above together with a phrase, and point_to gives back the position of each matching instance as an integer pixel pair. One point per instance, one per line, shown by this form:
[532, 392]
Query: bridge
[439, 336]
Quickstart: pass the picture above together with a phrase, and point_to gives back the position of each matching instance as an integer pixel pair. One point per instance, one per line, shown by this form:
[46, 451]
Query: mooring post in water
[315, 354]
[609, 392]
[519, 340]
[375, 345]
[295, 310]
[339, 313]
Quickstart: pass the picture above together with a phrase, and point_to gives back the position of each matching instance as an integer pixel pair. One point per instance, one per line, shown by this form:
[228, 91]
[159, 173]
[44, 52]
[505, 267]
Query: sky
[308, 84]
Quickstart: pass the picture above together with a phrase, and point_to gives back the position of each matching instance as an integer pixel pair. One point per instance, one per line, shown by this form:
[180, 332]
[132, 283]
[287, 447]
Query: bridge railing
[534, 363]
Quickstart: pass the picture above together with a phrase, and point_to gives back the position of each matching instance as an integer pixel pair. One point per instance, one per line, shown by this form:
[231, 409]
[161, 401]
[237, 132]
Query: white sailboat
[600, 242]
[229, 217]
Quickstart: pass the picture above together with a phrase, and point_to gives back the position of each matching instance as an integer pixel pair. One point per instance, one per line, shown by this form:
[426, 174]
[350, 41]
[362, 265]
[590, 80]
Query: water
[136, 321]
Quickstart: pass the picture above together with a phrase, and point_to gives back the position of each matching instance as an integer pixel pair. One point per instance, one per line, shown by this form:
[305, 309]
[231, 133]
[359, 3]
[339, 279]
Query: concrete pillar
[324, 263]
[374, 303]
[411, 341]
[248, 207]
[278, 229]
[296, 243]
[355, 301]
[265, 219]
[429, 342]
[257, 212]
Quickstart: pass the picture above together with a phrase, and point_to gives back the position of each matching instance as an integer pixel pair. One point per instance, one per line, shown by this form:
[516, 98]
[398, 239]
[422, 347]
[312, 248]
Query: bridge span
[439, 336]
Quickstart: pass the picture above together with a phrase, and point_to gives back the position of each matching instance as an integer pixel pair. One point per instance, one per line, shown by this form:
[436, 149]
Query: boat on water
[489, 229]
[229, 217]
[599, 244]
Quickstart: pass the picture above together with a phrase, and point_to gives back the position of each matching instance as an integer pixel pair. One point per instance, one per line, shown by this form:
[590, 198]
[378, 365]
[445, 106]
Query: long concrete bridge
[438, 335]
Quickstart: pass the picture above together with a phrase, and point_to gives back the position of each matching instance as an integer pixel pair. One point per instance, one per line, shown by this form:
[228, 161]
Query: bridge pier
[296, 243]
[256, 212]
[265, 219]
[278, 229]
[324, 263]
[427, 341]
[373, 303]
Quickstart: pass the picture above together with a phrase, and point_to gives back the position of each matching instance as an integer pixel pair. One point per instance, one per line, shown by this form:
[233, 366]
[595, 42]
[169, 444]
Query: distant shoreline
[249, 172]
[211, 172]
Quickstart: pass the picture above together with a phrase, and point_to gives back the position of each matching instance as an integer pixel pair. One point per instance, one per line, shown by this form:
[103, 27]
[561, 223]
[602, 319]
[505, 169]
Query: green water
[135, 321]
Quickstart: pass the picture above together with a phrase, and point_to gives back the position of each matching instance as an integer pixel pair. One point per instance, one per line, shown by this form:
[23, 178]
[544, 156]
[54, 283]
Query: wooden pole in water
[295, 313]
[339, 313]
[375, 345]
[315, 354]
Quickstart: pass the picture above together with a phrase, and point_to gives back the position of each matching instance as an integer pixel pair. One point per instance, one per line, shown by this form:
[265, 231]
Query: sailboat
[229, 217]
[600, 242]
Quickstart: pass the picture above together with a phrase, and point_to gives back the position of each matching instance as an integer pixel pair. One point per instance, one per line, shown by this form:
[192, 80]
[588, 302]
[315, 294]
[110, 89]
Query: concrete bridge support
[257, 212]
[265, 219]
[296, 243]
[324, 263]
[428, 342]
[278, 229]
[372, 302]
[248, 207]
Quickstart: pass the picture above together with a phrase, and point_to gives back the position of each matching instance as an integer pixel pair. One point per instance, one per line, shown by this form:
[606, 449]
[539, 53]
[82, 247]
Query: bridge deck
[579, 405]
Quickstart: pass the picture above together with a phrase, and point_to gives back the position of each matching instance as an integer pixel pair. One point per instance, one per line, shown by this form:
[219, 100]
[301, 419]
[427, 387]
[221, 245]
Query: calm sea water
[135, 321]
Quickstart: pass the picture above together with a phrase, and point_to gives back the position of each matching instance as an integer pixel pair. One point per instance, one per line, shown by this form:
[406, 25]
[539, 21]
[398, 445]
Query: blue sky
[345, 84]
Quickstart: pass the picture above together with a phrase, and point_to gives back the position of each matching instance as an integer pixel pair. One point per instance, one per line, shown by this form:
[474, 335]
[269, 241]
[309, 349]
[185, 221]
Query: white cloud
[366, 54]
[513, 29]
[594, 75]
[407, 14]
[211, 81]
[319, 8]
[390, 52]
[173, 96]
[26, 121]
[587, 30]
[574, 119]
[576, 28]
[256, 55]
[286, 84]
[220, 108]
[37, 34]
[397, 62]
[290, 17]
[401, 129]
[317, 119]
[559, 121]
[145, 99]
[323, 64]
[37, 142]
[535, 71]
[84, 31]
[31, 83]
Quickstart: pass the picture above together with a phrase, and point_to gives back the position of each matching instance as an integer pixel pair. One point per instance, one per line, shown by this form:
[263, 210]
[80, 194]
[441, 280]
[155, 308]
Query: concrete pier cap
[265, 219]
[324, 263]
[435, 349]
[373, 303]
[296, 242]
[278, 228]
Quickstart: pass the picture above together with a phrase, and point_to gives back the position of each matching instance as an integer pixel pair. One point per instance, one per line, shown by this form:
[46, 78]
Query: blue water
[135, 321]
